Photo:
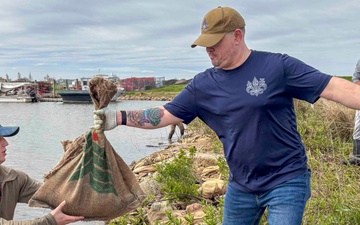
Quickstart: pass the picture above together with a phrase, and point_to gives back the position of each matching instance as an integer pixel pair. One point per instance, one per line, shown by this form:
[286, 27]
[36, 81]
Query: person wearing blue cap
[16, 186]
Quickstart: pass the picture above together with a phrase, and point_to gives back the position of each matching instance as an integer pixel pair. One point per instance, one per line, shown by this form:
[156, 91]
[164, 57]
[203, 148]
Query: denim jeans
[285, 203]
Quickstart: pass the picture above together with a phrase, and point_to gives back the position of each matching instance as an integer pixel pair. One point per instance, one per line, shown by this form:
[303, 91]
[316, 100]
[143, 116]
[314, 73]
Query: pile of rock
[211, 185]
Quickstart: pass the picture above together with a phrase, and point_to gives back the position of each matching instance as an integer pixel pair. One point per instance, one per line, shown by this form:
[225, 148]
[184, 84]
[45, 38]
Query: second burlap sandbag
[93, 179]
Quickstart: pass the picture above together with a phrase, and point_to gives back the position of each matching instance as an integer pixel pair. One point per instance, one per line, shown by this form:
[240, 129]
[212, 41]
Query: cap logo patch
[204, 25]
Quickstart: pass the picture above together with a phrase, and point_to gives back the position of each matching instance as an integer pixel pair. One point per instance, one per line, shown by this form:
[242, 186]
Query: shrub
[178, 177]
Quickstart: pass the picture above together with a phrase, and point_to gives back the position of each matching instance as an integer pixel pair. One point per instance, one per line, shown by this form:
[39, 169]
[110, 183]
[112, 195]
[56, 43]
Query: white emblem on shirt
[257, 87]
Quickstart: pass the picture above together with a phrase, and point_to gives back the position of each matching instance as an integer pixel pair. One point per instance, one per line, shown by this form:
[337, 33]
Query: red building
[138, 83]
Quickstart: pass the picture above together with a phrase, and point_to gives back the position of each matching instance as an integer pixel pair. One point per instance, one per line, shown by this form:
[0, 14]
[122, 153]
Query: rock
[150, 186]
[209, 171]
[196, 210]
[212, 188]
[145, 169]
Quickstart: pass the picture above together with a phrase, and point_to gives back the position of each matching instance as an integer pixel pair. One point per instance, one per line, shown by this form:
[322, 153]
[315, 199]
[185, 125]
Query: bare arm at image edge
[342, 91]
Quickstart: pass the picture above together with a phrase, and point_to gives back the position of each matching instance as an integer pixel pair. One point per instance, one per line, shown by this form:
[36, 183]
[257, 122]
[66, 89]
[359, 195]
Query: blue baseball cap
[8, 131]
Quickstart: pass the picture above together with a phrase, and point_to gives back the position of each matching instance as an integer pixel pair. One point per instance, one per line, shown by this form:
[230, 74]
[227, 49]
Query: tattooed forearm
[136, 117]
[153, 115]
[148, 116]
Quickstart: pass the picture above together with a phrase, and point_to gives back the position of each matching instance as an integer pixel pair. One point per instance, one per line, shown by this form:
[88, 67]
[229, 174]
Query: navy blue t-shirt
[251, 110]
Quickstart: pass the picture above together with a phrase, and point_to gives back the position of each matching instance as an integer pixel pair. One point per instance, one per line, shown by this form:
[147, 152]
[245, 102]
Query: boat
[18, 99]
[82, 96]
[21, 92]
[79, 92]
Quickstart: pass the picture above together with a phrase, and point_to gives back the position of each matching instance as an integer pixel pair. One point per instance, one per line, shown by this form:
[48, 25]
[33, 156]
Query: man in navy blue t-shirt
[247, 99]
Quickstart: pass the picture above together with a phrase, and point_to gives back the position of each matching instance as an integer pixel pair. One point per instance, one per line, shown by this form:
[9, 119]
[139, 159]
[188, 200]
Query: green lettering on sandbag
[94, 162]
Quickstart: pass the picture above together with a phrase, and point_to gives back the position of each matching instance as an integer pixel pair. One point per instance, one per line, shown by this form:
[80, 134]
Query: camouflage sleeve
[45, 220]
[356, 75]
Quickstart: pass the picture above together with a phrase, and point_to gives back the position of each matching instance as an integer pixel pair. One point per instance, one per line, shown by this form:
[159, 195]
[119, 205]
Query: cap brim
[8, 131]
[208, 40]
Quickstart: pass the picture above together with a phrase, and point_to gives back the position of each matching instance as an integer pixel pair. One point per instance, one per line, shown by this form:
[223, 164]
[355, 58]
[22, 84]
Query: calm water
[36, 149]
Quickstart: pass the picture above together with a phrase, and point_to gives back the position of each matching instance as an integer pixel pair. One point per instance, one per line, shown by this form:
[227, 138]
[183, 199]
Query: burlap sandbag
[93, 179]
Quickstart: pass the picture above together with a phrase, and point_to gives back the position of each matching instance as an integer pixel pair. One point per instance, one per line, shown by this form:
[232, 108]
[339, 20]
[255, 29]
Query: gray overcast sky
[81, 38]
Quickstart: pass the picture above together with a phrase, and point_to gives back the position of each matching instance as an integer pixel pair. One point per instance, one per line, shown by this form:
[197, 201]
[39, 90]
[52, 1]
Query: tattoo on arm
[142, 117]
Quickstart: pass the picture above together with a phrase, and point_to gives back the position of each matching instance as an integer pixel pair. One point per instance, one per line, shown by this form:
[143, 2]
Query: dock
[50, 100]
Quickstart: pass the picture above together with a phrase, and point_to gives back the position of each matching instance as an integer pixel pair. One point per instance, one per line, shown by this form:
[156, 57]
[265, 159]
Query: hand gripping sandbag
[93, 179]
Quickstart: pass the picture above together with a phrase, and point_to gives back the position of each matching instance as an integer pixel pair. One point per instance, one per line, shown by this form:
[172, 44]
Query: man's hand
[109, 120]
[61, 218]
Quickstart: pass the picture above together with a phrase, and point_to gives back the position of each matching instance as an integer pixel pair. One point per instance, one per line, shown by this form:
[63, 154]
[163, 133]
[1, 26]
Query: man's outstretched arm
[151, 118]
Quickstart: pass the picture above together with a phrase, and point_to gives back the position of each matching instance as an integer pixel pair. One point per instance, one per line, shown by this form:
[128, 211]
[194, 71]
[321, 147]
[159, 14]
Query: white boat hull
[16, 99]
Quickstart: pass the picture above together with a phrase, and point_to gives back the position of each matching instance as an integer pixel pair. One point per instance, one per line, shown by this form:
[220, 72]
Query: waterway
[36, 149]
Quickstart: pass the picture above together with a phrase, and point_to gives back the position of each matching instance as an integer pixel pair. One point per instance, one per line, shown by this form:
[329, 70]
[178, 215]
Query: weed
[173, 220]
[213, 213]
[223, 168]
[178, 177]
[138, 217]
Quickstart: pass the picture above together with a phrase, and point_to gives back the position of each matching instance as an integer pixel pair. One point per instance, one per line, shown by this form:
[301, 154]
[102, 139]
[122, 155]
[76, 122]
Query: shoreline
[59, 99]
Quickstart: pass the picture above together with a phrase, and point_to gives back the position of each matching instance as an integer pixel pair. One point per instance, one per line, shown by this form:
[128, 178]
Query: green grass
[165, 91]
[349, 78]
[169, 88]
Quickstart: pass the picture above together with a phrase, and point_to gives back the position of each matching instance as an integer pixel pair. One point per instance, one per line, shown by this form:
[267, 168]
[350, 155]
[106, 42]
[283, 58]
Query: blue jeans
[285, 203]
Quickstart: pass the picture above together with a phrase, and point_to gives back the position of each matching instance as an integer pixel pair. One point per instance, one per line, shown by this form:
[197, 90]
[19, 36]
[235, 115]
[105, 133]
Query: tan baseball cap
[216, 23]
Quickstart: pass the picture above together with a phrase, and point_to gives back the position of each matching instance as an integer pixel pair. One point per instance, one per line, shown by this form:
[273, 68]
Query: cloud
[71, 39]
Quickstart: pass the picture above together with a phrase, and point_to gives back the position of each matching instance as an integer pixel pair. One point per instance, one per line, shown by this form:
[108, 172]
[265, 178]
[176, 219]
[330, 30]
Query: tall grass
[326, 130]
